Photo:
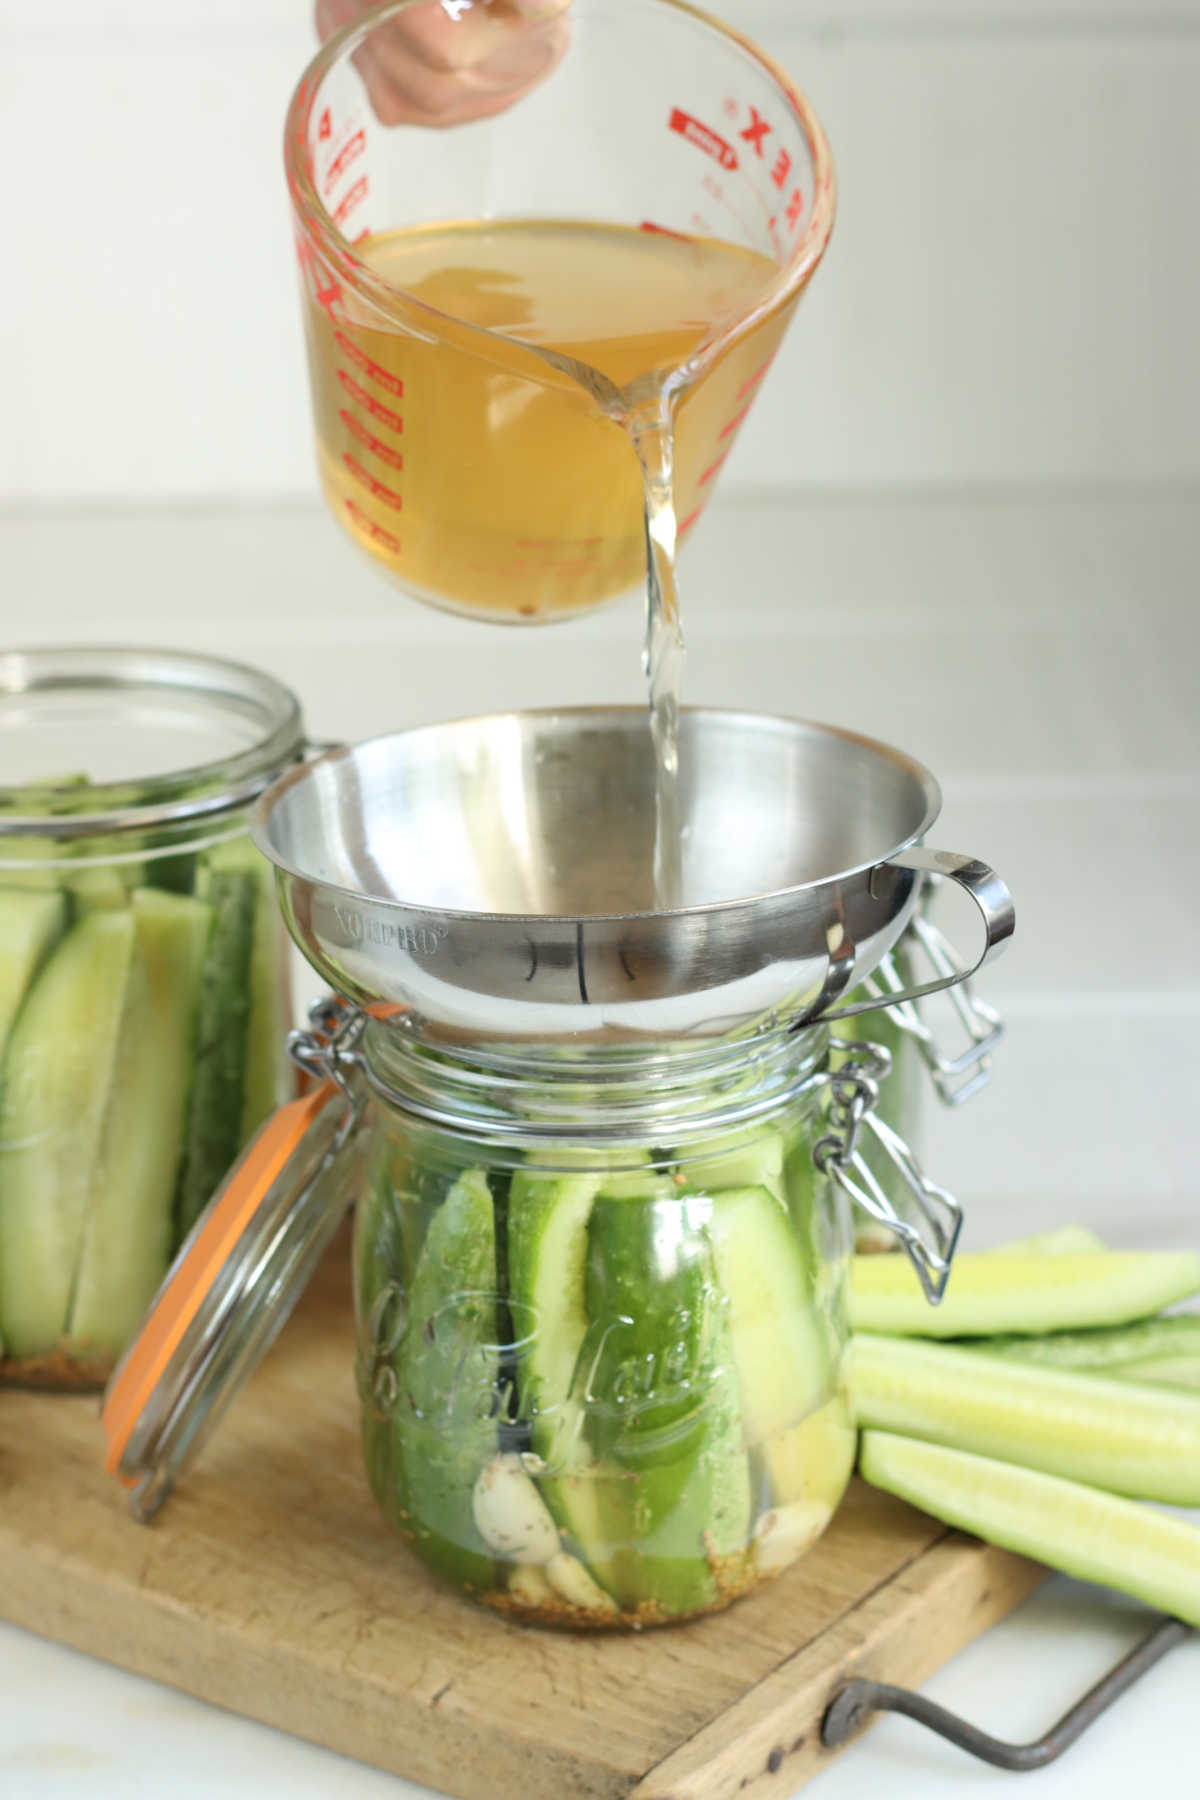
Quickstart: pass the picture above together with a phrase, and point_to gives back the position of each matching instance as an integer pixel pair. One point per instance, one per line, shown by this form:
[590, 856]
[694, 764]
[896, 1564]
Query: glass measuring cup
[670, 191]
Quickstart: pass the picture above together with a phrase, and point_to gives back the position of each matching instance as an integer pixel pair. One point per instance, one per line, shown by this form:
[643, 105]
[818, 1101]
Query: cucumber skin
[217, 1102]
[443, 1428]
[1103, 1350]
[780, 1355]
[1141, 1442]
[57, 1077]
[663, 1403]
[990, 1293]
[128, 1233]
[1064, 1240]
[31, 923]
[1073, 1528]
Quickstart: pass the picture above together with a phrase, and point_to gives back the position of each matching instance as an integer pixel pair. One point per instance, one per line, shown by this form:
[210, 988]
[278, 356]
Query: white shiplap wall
[1010, 297]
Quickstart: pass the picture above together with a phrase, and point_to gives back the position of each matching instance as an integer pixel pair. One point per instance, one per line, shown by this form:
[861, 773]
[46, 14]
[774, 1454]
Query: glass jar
[601, 1313]
[143, 980]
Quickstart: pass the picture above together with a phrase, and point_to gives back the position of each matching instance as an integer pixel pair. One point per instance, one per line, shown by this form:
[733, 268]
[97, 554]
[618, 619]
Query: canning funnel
[495, 876]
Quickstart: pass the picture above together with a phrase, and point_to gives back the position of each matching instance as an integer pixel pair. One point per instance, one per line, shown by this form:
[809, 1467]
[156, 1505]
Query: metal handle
[980, 883]
[851, 1706]
[854, 1090]
[954, 1078]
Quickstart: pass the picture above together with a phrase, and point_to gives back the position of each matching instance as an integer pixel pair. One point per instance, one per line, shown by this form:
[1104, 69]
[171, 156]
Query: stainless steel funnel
[495, 875]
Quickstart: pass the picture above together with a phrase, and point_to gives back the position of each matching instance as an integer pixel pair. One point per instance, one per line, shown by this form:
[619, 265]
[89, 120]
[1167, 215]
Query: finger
[446, 44]
[441, 97]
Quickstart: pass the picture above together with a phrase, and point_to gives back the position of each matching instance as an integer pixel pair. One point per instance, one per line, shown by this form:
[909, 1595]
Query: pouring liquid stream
[508, 488]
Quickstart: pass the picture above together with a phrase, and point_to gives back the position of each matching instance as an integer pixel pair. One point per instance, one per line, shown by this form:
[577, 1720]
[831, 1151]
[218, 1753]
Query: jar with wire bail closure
[602, 1163]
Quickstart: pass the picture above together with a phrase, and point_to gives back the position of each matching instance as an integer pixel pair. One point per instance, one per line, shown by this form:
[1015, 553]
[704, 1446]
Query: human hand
[433, 66]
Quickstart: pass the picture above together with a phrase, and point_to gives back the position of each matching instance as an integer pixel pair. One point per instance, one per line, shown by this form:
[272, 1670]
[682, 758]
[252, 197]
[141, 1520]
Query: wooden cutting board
[270, 1585]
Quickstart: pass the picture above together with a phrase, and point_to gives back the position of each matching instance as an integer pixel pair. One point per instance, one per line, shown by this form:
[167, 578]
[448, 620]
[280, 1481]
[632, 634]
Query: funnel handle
[982, 885]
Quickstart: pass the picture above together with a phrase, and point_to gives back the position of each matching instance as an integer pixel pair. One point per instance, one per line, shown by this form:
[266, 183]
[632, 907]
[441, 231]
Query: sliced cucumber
[128, 1233]
[58, 1074]
[779, 1350]
[1144, 1442]
[217, 1102]
[95, 889]
[812, 1462]
[1066, 1240]
[444, 1431]
[1085, 1533]
[738, 1160]
[1163, 1371]
[31, 922]
[547, 1262]
[991, 1292]
[662, 1398]
[1109, 1351]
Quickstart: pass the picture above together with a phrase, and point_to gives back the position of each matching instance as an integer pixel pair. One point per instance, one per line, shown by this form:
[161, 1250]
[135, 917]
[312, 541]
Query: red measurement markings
[691, 519]
[373, 531]
[369, 441]
[731, 425]
[756, 131]
[704, 138]
[755, 378]
[325, 128]
[385, 495]
[350, 151]
[376, 408]
[663, 231]
[354, 196]
[362, 361]
[713, 468]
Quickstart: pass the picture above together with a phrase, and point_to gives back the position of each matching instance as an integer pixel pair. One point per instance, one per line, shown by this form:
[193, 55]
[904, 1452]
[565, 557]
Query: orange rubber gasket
[151, 1351]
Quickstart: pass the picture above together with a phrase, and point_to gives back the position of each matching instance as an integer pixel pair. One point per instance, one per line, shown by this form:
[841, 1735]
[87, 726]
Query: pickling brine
[476, 428]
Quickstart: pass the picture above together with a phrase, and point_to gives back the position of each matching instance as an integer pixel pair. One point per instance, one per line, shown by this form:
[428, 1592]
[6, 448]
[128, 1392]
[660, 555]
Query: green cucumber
[95, 889]
[813, 1461]
[217, 1103]
[1163, 1371]
[1065, 1240]
[662, 1399]
[1143, 1442]
[1107, 1351]
[31, 923]
[444, 1430]
[547, 1261]
[736, 1160]
[991, 1292]
[779, 1350]
[58, 1075]
[270, 987]
[270, 1005]
[128, 1232]
[1085, 1533]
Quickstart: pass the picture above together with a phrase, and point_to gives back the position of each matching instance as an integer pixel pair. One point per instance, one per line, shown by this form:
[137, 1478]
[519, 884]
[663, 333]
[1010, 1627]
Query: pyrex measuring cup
[672, 192]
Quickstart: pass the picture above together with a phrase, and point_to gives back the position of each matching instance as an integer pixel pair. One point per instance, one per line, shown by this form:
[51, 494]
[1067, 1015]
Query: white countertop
[1041, 653]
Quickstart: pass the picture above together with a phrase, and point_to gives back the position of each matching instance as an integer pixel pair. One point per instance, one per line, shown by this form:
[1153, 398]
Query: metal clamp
[852, 1705]
[982, 886]
[955, 1078]
[329, 1051]
[854, 1089]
